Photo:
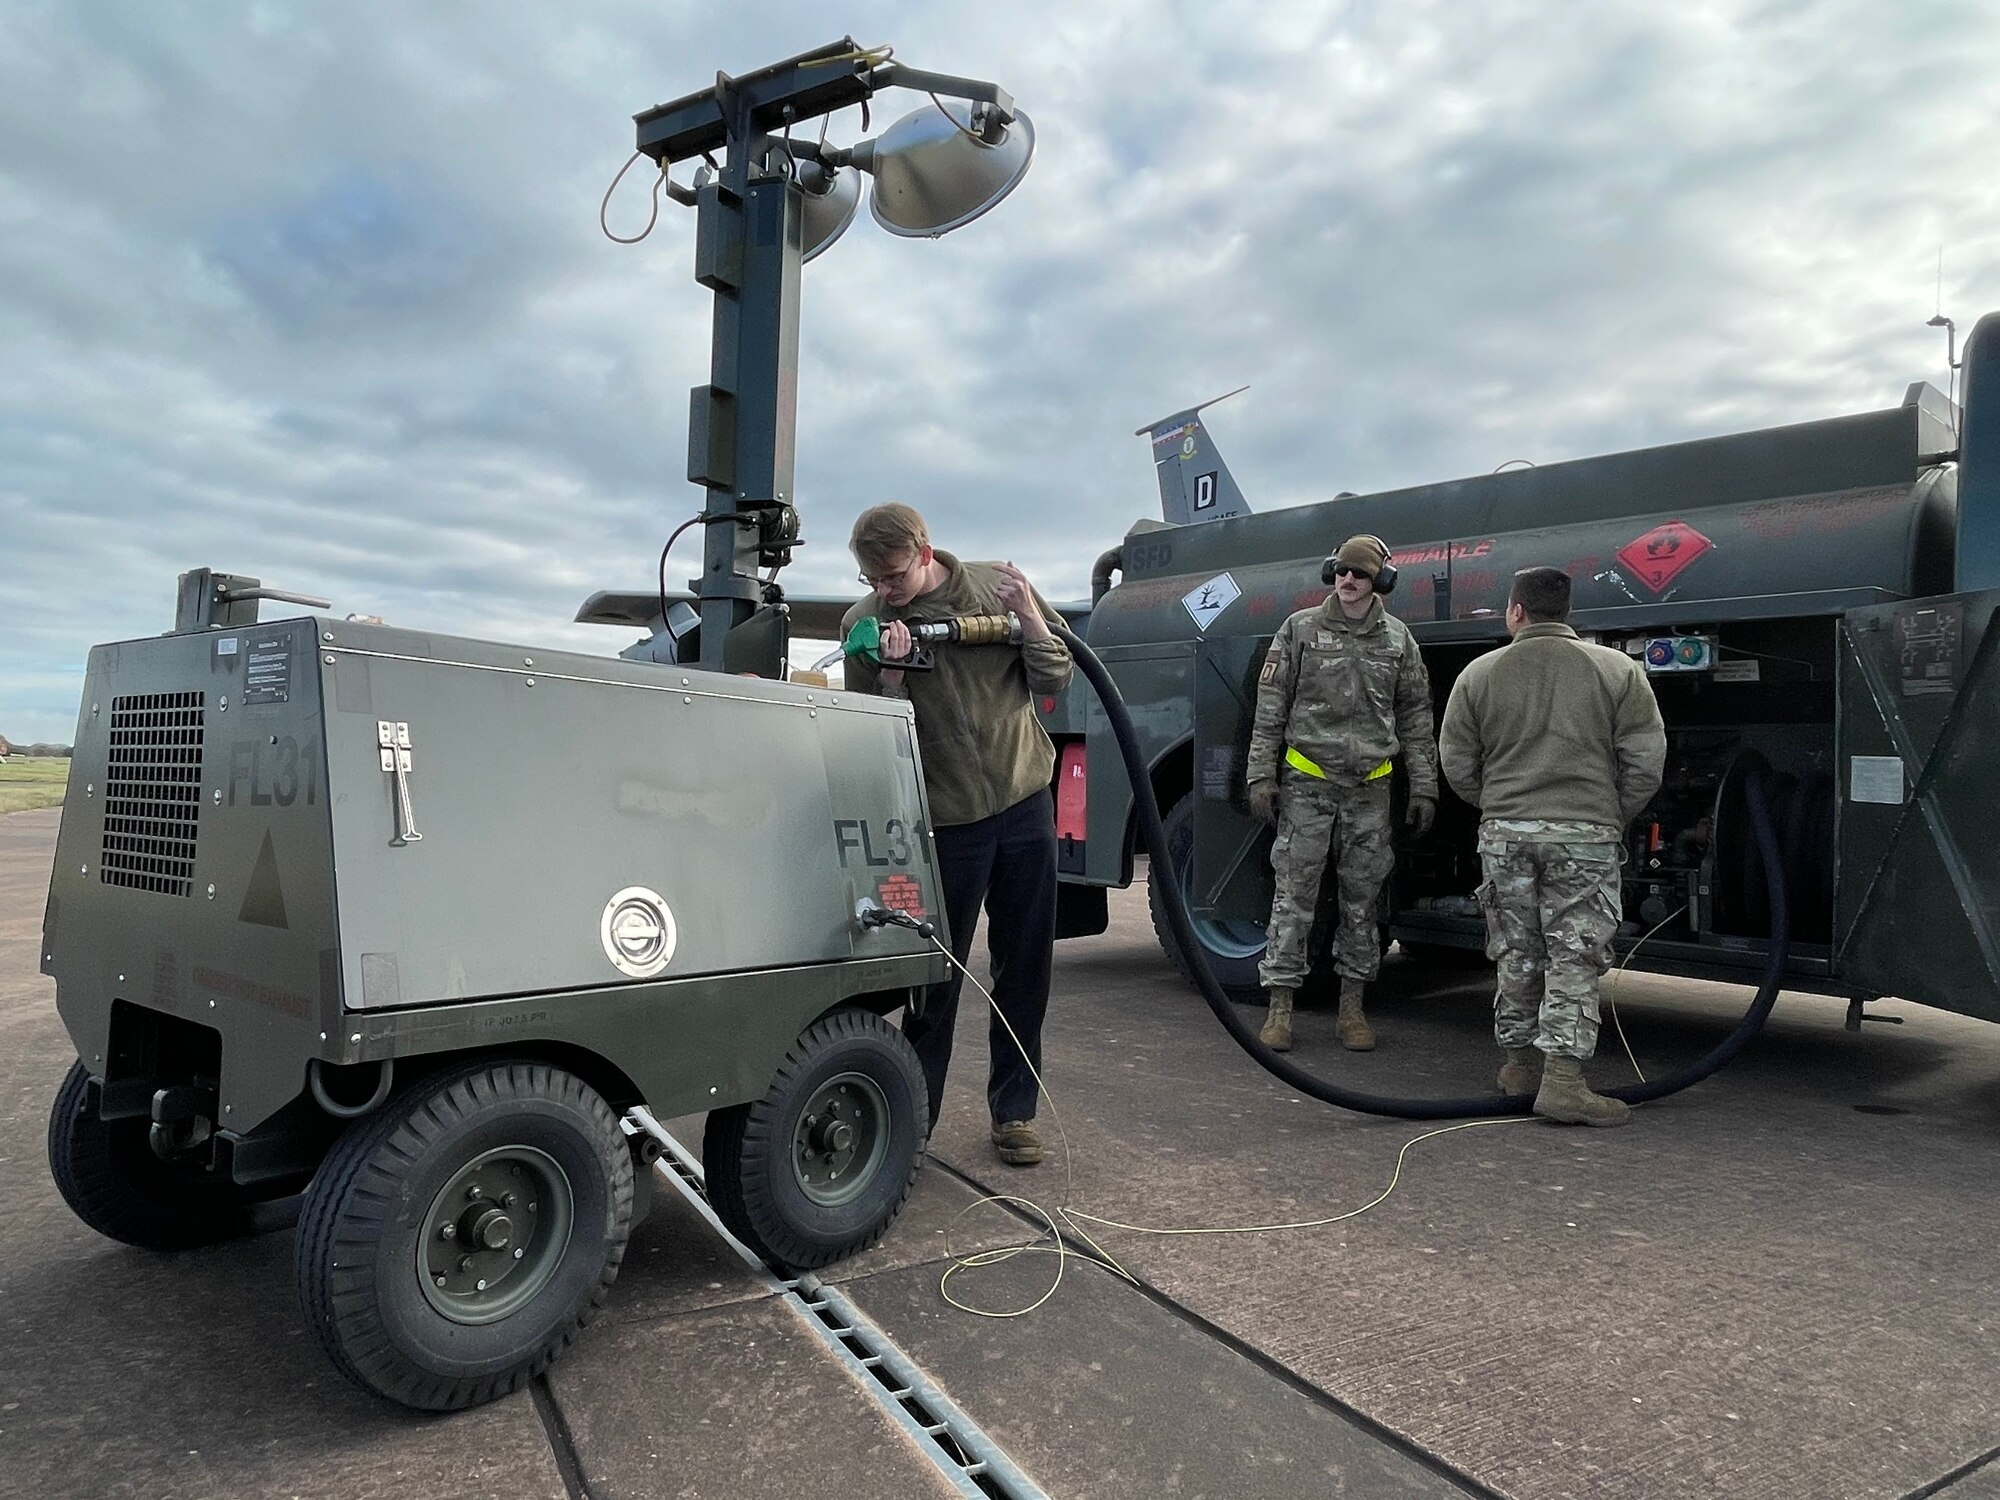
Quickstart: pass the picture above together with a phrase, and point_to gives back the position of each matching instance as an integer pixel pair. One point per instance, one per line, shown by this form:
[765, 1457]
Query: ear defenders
[1385, 576]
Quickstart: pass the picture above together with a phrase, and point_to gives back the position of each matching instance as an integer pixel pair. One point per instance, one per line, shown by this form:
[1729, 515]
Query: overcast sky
[317, 292]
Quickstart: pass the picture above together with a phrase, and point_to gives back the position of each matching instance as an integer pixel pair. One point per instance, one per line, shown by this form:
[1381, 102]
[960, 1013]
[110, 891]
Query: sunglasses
[1347, 570]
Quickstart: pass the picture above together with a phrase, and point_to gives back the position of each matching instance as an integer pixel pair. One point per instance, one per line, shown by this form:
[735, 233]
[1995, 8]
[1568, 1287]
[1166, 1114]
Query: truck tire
[456, 1242]
[818, 1168]
[1234, 949]
[109, 1175]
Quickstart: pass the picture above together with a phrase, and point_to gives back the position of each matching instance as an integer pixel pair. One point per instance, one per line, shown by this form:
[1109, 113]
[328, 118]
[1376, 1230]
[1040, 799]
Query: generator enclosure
[316, 844]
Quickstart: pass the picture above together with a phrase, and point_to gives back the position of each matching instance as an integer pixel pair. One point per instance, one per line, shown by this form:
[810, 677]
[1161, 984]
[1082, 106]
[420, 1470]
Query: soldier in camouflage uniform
[1559, 744]
[1341, 693]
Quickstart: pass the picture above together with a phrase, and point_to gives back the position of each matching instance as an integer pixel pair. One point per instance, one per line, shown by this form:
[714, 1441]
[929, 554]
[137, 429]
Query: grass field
[28, 783]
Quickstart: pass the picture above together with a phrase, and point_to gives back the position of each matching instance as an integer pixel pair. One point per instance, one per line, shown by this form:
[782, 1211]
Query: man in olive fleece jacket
[1559, 744]
[987, 768]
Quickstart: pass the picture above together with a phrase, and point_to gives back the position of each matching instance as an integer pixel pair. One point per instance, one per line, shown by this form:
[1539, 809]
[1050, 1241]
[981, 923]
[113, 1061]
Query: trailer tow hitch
[183, 1119]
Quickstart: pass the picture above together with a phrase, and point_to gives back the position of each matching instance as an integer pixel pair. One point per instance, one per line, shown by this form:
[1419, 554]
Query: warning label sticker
[901, 893]
[1875, 778]
[1660, 556]
[268, 678]
[1211, 599]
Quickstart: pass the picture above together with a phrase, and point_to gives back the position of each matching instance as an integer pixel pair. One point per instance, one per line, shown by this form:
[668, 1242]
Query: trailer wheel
[109, 1175]
[818, 1168]
[455, 1242]
[1233, 948]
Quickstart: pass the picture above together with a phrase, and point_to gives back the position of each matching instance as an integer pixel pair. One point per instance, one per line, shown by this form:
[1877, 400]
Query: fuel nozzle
[865, 638]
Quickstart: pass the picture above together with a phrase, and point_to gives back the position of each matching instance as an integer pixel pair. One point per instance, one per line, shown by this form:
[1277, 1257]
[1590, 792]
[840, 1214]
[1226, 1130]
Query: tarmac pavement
[1780, 1283]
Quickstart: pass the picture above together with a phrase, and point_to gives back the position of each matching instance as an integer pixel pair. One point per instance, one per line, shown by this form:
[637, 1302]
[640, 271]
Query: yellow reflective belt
[1299, 763]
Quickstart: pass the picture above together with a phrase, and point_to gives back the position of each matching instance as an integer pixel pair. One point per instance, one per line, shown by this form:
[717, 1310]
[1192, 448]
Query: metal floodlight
[777, 197]
[831, 197]
[943, 166]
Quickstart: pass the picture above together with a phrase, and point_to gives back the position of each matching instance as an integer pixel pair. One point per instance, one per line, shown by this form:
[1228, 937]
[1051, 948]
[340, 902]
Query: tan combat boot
[1566, 1097]
[1277, 1032]
[1521, 1073]
[1350, 1025]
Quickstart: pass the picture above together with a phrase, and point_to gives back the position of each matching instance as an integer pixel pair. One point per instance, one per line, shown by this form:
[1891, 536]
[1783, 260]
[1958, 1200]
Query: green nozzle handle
[865, 639]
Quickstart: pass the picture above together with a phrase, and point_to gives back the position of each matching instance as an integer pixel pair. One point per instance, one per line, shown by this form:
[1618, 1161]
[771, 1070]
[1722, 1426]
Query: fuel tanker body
[1812, 602]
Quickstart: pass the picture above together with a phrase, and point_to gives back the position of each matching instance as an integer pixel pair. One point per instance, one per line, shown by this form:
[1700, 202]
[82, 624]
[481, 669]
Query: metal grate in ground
[957, 1445]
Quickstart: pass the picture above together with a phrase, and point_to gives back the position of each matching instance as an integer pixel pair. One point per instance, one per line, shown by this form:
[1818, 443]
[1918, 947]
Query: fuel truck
[1814, 605]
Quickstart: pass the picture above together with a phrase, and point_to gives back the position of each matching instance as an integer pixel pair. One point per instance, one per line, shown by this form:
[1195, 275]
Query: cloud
[320, 296]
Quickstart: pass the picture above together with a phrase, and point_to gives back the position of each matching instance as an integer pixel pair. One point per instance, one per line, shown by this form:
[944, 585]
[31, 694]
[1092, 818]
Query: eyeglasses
[889, 580]
[1342, 570]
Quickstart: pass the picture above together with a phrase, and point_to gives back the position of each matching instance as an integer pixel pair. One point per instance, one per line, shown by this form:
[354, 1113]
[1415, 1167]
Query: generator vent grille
[152, 792]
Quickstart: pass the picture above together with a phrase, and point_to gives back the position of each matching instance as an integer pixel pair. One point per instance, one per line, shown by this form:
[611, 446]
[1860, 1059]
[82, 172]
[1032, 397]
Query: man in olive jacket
[987, 769]
[1559, 744]
[1342, 691]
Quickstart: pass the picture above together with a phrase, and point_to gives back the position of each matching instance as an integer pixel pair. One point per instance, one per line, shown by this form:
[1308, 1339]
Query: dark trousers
[1006, 863]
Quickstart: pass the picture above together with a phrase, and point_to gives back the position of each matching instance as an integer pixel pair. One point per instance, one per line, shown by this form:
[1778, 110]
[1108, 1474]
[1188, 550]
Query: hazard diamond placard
[1657, 558]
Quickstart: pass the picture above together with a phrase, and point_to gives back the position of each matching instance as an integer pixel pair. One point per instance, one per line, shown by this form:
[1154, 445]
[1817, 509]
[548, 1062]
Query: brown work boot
[1521, 1073]
[1350, 1025]
[1566, 1097]
[1277, 1032]
[1017, 1143]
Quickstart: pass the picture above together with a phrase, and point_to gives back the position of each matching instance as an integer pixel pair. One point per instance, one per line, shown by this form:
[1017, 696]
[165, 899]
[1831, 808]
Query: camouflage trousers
[1321, 824]
[1551, 909]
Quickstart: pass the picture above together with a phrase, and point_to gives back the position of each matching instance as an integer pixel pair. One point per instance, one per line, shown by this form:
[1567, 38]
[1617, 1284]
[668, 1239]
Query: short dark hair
[1542, 592]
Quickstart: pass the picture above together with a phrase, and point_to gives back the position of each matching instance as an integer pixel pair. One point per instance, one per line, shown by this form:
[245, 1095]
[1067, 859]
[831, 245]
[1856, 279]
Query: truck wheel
[818, 1168]
[455, 1242]
[1233, 948]
[109, 1175]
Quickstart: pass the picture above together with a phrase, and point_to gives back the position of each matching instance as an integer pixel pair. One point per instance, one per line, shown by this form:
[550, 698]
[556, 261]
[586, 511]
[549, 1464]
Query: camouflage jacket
[1347, 695]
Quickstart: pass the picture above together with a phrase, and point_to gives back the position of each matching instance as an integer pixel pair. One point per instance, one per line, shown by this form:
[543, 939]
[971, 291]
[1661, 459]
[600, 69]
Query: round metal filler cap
[638, 932]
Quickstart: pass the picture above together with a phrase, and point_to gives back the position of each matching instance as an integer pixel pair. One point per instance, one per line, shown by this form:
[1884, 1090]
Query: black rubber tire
[111, 1178]
[1233, 964]
[358, 1277]
[747, 1148]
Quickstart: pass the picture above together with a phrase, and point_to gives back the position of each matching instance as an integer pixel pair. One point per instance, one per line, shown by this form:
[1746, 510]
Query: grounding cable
[1052, 1240]
[1619, 973]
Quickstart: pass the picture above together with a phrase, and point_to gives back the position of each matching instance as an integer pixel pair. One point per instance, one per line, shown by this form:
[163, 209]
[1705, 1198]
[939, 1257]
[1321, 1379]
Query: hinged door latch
[394, 742]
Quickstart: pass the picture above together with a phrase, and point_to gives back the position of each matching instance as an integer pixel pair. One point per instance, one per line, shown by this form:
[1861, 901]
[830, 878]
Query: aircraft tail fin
[1195, 484]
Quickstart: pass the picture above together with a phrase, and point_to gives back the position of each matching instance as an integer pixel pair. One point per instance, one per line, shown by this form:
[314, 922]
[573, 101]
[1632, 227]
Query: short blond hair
[884, 534]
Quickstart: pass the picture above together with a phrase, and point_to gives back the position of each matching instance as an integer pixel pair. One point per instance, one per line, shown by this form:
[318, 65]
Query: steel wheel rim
[841, 1139]
[1230, 939]
[509, 1213]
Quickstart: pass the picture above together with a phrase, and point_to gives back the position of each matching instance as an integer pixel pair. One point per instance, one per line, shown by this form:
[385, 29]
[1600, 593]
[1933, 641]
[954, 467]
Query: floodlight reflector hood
[832, 195]
[934, 172]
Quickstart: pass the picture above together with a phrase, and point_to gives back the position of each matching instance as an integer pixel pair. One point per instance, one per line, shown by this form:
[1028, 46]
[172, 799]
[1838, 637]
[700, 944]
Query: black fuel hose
[1155, 837]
